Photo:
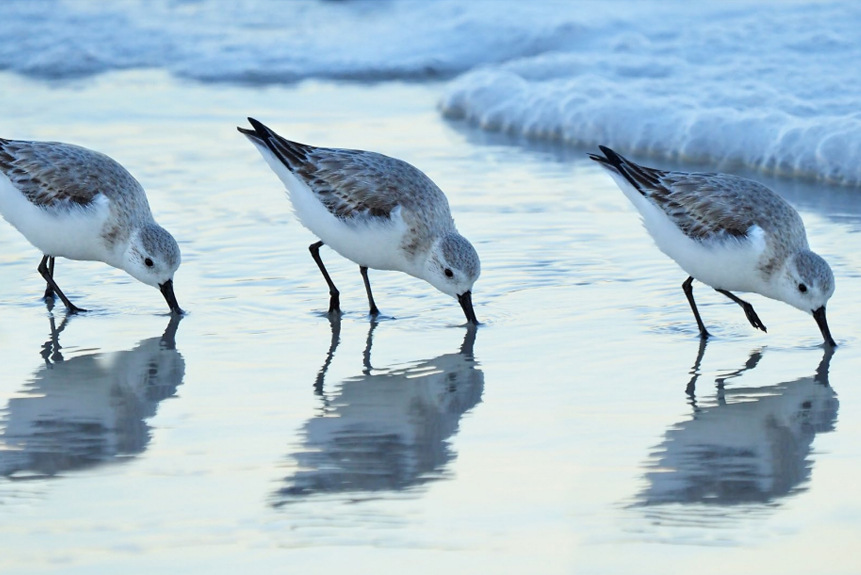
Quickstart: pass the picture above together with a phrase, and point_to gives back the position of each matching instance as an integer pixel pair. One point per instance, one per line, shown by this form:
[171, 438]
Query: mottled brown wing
[709, 206]
[354, 184]
[51, 173]
[706, 206]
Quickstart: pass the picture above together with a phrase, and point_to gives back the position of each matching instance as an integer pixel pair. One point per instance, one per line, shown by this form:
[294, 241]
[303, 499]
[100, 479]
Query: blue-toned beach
[583, 428]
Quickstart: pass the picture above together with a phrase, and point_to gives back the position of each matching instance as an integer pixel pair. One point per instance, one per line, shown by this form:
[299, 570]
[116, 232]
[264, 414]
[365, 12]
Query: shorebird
[730, 233]
[75, 203]
[379, 212]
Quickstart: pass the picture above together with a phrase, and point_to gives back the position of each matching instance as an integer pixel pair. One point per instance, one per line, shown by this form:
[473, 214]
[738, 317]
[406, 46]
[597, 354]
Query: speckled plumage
[711, 207]
[76, 203]
[356, 183]
[359, 187]
[57, 175]
[728, 232]
[377, 211]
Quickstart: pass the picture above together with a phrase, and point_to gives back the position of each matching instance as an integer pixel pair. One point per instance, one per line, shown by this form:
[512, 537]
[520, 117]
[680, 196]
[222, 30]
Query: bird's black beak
[819, 316]
[167, 291]
[465, 300]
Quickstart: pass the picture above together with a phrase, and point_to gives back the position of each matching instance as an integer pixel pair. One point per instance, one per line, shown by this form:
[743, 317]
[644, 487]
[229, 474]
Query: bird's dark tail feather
[617, 163]
[640, 177]
[291, 154]
[251, 135]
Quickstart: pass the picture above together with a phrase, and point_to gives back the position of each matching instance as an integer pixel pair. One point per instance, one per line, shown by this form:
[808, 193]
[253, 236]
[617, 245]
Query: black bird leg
[334, 294]
[47, 275]
[49, 291]
[748, 310]
[373, 306]
[687, 287]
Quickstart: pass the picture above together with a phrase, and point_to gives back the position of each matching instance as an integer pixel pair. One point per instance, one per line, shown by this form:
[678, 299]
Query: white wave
[772, 89]
[771, 86]
[266, 41]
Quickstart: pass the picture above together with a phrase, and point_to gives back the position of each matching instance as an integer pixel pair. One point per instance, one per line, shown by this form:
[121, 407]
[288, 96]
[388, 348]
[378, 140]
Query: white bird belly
[73, 232]
[729, 264]
[369, 245]
[732, 265]
[374, 244]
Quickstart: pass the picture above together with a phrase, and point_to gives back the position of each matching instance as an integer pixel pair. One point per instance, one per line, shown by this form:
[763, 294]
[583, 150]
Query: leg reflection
[720, 381]
[369, 341]
[51, 348]
[385, 429]
[691, 388]
[745, 446]
[89, 408]
[335, 323]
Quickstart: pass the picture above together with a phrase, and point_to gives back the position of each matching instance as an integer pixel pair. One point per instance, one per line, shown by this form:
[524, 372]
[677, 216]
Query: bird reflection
[387, 429]
[89, 409]
[747, 446]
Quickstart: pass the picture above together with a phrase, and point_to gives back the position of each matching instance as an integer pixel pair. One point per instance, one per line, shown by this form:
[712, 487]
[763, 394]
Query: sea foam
[770, 88]
[767, 85]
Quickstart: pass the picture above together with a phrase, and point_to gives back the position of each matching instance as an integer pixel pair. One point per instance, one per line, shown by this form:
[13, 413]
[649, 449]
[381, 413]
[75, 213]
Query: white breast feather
[368, 244]
[729, 263]
[71, 231]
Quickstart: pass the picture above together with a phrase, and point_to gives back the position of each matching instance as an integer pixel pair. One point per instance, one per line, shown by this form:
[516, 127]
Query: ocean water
[769, 86]
[765, 87]
[582, 428]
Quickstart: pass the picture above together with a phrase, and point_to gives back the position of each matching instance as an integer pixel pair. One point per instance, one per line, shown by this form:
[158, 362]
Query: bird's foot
[334, 304]
[73, 309]
[753, 318]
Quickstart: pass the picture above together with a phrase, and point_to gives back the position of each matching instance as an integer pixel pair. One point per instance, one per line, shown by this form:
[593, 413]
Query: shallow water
[582, 428]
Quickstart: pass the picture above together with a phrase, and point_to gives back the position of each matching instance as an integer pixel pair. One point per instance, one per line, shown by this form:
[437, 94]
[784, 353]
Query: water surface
[581, 428]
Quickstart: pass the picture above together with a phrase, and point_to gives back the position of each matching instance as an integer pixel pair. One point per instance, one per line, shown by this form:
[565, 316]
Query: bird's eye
[802, 288]
[148, 263]
[449, 273]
